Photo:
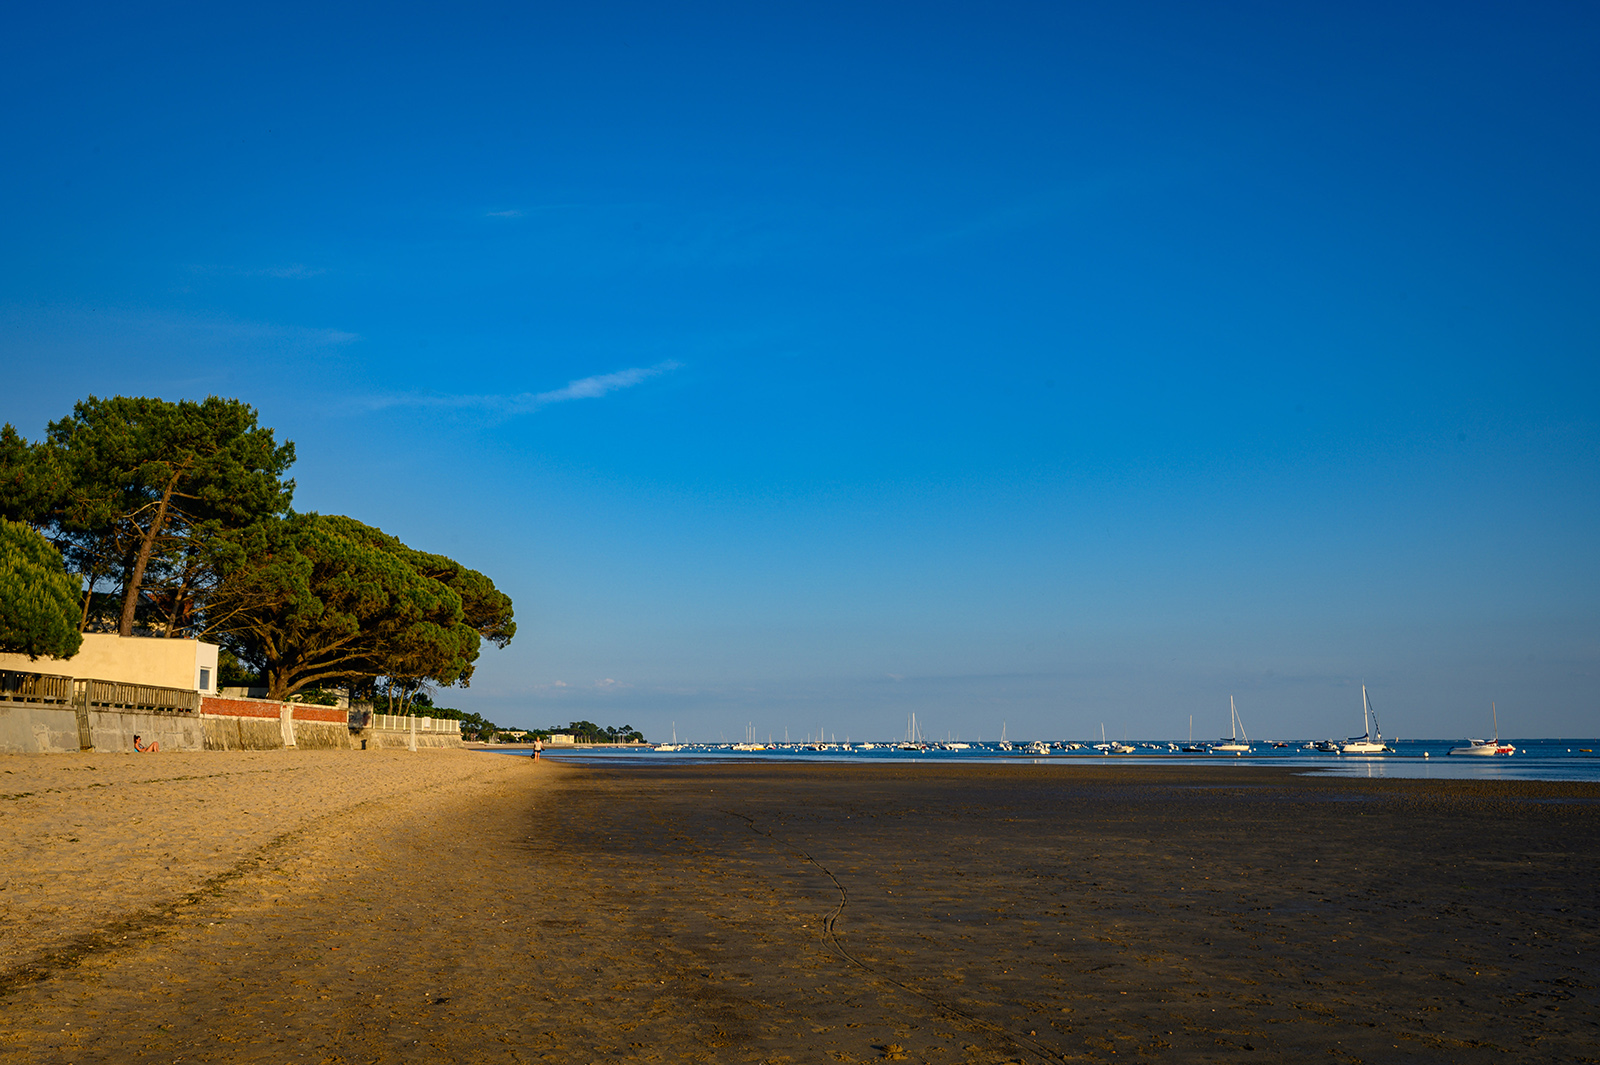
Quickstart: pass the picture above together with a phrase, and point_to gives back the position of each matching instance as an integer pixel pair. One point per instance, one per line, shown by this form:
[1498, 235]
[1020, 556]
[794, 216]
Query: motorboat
[1487, 748]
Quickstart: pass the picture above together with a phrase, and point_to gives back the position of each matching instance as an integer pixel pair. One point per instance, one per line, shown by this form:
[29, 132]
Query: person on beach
[538, 748]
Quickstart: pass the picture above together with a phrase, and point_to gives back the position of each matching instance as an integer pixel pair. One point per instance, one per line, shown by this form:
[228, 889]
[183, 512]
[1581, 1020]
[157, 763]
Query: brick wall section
[215, 704]
[229, 707]
[302, 712]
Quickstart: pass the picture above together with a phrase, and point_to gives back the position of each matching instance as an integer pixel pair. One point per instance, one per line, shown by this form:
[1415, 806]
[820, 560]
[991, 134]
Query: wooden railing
[35, 688]
[113, 695]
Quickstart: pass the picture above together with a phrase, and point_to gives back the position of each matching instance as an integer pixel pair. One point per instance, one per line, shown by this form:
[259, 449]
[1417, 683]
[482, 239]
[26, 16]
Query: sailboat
[1235, 726]
[913, 740]
[1193, 747]
[1370, 741]
[749, 743]
[1487, 747]
[674, 745]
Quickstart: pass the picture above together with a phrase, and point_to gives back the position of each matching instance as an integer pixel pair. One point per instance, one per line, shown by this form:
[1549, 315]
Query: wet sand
[517, 912]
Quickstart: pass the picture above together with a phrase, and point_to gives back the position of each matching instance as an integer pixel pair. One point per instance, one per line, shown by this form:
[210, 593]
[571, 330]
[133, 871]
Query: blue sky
[807, 366]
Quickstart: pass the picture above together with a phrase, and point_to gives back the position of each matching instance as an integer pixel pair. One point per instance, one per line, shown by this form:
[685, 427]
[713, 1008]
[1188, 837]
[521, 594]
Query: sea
[1535, 759]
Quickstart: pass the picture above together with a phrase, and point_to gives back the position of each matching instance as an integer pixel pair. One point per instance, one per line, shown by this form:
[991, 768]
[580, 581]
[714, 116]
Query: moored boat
[1232, 745]
[1370, 741]
[1487, 748]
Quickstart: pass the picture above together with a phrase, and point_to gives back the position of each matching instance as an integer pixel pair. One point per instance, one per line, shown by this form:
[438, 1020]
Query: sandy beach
[448, 905]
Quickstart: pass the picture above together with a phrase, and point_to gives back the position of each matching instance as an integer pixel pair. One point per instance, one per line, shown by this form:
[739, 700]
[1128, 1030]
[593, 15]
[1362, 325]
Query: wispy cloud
[599, 385]
[288, 271]
[528, 402]
[522, 212]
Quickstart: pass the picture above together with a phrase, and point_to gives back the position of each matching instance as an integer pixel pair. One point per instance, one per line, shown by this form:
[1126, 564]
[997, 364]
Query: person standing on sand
[538, 748]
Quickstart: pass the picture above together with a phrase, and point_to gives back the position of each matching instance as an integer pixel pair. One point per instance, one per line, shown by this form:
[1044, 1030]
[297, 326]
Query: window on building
[205, 679]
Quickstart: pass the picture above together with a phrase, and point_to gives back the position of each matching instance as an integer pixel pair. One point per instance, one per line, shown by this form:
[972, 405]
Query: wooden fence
[49, 690]
[147, 697]
[35, 688]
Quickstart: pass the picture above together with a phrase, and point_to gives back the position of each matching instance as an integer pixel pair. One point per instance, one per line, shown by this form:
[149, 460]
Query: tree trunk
[178, 598]
[130, 598]
[88, 598]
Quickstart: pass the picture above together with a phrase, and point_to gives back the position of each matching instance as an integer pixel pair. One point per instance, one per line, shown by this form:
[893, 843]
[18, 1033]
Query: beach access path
[508, 911]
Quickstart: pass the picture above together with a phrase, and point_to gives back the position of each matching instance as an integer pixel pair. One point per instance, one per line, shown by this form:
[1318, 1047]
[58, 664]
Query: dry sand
[476, 907]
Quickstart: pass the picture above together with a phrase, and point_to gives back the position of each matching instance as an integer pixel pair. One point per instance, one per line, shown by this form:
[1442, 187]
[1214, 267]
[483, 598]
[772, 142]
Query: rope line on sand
[831, 937]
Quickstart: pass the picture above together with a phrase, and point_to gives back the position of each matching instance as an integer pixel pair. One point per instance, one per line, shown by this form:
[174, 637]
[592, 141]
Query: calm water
[1546, 759]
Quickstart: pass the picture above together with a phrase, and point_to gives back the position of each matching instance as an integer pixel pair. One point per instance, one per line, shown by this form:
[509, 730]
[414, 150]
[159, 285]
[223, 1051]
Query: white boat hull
[1484, 750]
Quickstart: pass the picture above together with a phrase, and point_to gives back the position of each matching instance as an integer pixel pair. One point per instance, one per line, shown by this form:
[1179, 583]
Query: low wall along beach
[50, 714]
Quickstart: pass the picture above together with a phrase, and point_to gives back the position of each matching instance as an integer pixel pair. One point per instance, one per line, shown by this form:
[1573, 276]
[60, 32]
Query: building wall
[131, 660]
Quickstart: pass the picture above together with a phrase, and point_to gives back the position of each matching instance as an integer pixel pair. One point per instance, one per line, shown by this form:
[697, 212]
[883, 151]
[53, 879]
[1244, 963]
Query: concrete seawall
[56, 726]
[392, 738]
[29, 728]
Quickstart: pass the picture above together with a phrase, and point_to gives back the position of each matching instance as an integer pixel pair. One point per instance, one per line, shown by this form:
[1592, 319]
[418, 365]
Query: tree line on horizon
[477, 727]
[142, 516]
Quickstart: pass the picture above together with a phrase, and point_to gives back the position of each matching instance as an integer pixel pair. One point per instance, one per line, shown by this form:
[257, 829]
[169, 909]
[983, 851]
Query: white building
[149, 660]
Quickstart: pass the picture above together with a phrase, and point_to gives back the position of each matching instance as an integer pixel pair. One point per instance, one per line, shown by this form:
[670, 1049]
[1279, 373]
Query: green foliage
[141, 491]
[183, 508]
[484, 607]
[589, 732]
[31, 479]
[311, 598]
[38, 598]
[232, 673]
[477, 727]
